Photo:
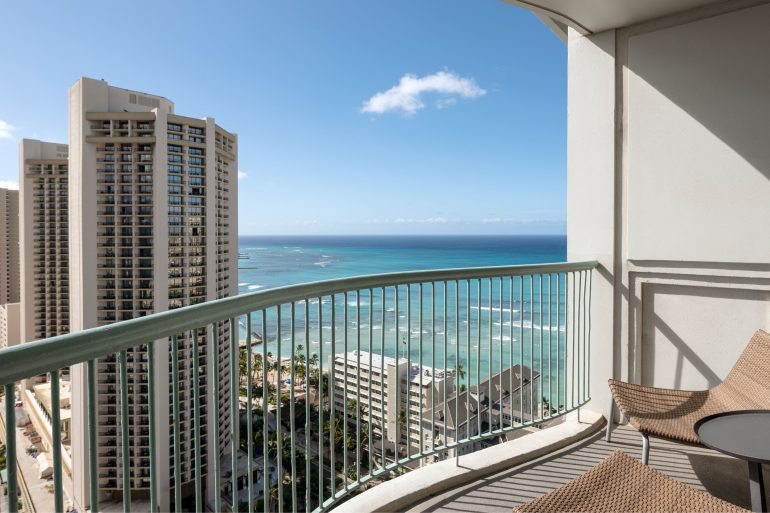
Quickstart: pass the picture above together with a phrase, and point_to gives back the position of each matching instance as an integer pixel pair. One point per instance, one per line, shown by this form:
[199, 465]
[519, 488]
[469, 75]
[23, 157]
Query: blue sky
[467, 134]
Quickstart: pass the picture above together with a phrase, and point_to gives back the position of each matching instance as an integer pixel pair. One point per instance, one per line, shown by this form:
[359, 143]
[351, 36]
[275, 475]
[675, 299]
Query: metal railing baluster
[383, 429]
[478, 354]
[214, 402]
[196, 389]
[370, 433]
[235, 394]
[307, 406]
[292, 426]
[124, 422]
[420, 398]
[93, 481]
[358, 380]
[490, 397]
[10, 447]
[557, 322]
[153, 427]
[510, 345]
[278, 403]
[521, 348]
[320, 392]
[408, 383]
[445, 420]
[176, 428]
[397, 380]
[330, 394]
[345, 417]
[265, 414]
[56, 448]
[531, 348]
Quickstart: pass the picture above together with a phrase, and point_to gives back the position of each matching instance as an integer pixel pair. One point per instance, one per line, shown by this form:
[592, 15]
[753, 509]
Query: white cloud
[242, 175]
[405, 96]
[523, 221]
[429, 220]
[9, 184]
[5, 130]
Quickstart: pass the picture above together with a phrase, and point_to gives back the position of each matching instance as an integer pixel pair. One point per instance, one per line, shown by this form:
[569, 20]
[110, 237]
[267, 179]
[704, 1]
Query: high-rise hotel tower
[153, 227]
[43, 212]
[9, 246]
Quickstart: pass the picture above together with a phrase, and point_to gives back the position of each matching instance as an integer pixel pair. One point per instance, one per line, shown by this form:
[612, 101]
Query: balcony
[701, 468]
[668, 186]
[509, 344]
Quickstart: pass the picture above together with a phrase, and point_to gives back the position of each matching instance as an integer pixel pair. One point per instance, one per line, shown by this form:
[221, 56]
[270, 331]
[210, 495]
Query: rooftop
[423, 375]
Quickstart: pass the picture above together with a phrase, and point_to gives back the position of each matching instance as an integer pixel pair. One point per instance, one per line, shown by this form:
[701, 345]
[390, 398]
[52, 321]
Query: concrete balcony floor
[701, 468]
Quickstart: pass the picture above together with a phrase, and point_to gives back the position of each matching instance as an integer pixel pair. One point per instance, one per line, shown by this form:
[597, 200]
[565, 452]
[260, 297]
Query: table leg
[757, 487]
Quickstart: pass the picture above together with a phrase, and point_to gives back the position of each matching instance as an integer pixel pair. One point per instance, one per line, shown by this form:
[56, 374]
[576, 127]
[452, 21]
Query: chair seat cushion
[622, 484]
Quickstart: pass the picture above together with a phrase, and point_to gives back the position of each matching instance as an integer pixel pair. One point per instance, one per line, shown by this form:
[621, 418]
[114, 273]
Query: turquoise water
[278, 261]
[487, 326]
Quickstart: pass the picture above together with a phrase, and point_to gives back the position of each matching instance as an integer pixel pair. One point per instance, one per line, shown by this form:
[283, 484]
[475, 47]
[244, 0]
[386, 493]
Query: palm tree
[258, 367]
[299, 364]
[401, 429]
[242, 356]
[461, 375]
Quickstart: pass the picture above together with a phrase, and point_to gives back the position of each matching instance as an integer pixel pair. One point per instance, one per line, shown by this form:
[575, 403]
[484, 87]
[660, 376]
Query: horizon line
[402, 235]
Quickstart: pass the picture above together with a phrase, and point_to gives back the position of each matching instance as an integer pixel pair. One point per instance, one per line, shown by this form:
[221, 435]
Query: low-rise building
[507, 398]
[360, 374]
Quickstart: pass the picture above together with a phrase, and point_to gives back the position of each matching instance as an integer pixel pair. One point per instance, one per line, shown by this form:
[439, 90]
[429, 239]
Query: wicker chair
[622, 484]
[672, 413]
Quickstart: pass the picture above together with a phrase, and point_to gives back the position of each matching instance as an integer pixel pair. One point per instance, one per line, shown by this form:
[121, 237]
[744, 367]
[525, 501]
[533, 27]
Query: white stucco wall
[697, 140]
[669, 188]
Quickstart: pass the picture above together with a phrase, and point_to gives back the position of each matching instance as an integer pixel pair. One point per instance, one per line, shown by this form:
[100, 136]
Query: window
[174, 168]
[195, 171]
[175, 127]
[174, 189]
[175, 158]
[172, 148]
[195, 151]
[196, 181]
[193, 160]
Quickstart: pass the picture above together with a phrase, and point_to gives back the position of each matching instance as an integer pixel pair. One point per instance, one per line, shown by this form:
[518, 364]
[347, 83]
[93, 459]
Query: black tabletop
[743, 434]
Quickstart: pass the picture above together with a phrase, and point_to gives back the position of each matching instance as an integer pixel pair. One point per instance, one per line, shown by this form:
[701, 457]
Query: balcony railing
[348, 381]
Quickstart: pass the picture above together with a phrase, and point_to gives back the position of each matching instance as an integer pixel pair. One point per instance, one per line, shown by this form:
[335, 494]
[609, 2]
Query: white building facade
[44, 239]
[153, 227]
[360, 376]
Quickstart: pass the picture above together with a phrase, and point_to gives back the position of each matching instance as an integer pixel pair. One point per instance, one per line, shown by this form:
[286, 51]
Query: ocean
[276, 261]
[379, 324]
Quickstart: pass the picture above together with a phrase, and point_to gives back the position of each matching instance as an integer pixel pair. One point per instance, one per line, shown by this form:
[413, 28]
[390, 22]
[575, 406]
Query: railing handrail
[41, 356]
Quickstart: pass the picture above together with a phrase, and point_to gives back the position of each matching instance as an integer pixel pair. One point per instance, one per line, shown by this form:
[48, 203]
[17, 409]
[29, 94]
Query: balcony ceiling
[591, 16]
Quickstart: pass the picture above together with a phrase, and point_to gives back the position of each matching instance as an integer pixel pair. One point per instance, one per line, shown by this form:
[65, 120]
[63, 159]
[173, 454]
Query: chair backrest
[748, 383]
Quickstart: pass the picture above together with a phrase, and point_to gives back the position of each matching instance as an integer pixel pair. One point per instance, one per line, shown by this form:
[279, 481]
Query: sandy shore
[273, 375]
